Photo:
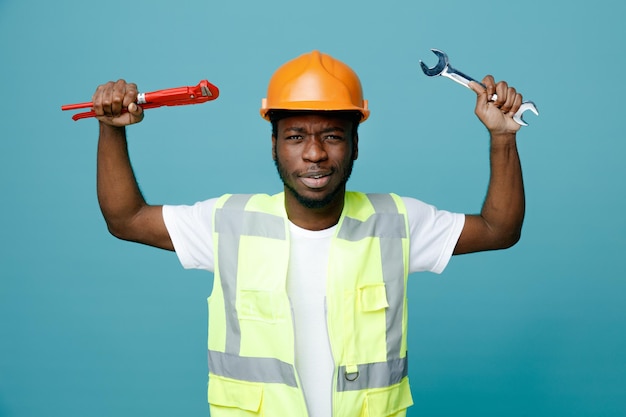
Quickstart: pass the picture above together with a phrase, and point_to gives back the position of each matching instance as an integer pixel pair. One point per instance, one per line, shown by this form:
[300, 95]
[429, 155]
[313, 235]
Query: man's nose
[314, 150]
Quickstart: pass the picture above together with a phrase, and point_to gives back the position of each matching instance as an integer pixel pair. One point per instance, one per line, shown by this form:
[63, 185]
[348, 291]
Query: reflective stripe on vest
[387, 224]
[390, 227]
[232, 222]
[268, 370]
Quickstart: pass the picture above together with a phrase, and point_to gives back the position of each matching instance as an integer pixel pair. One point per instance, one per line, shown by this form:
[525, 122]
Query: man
[308, 310]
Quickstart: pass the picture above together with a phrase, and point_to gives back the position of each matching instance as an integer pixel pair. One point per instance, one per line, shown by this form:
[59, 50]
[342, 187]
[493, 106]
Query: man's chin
[314, 201]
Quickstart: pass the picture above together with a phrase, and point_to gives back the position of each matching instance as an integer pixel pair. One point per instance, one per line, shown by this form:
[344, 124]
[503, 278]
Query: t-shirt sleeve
[190, 228]
[434, 234]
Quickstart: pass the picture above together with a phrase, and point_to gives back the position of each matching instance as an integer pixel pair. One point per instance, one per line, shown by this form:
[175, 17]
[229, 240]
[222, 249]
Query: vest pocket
[389, 402]
[260, 305]
[373, 297]
[232, 398]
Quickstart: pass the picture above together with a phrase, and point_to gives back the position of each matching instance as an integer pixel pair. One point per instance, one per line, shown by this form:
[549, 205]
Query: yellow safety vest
[251, 330]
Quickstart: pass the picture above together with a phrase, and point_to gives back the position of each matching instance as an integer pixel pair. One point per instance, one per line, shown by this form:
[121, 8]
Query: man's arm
[125, 211]
[499, 223]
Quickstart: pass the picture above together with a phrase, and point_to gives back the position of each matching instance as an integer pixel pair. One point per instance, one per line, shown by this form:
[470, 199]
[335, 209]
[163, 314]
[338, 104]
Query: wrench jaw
[441, 66]
[444, 69]
[527, 105]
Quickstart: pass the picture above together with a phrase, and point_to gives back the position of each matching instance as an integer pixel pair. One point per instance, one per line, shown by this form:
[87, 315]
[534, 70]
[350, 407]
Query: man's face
[314, 154]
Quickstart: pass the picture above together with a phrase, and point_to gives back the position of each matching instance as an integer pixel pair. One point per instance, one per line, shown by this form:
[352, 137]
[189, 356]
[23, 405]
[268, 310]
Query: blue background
[93, 326]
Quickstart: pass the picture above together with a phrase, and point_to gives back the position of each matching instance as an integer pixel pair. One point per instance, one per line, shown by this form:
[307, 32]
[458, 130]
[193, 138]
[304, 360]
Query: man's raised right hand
[115, 104]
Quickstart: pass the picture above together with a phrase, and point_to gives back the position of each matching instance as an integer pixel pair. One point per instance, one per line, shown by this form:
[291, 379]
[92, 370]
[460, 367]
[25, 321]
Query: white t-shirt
[433, 236]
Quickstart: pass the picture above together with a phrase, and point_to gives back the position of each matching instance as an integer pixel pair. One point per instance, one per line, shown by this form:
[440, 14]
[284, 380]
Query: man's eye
[334, 137]
[293, 137]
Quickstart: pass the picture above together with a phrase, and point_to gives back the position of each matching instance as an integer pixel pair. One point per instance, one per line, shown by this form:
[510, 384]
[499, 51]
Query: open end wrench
[444, 69]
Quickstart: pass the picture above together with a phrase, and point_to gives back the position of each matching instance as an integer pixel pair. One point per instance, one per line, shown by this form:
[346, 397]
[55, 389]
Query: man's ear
[273, 147]
[355, 147]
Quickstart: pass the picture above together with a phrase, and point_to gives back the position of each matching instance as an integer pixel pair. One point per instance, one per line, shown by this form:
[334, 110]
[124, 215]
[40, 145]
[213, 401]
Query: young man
[308, 310]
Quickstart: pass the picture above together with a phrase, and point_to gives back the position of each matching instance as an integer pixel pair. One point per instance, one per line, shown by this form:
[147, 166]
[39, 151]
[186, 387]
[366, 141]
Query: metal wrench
[179, 96]
[443, 68]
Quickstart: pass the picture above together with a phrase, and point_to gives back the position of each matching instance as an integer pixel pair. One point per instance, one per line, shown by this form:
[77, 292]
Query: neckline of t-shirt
[316, 234]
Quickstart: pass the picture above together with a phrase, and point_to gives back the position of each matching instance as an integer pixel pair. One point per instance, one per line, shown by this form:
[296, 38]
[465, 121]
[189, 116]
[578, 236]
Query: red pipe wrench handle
[179, 96]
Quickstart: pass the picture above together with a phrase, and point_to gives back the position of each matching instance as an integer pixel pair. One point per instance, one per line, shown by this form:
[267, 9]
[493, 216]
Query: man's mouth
[315, 179]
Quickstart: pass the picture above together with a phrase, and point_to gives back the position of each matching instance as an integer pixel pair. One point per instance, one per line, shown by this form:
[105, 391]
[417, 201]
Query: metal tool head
[440, 67]
[527, 105]
[204, 88]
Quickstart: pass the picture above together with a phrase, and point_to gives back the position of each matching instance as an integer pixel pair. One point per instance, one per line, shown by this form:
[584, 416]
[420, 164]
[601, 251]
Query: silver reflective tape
[237, 201]
[232, 222]
[265, 370]
[373, 375]
[263, 225]
[228, 248]
[381, 225]
[383, 203]
[392, 257]
[393, 276]
[249, 223]
[389, 226]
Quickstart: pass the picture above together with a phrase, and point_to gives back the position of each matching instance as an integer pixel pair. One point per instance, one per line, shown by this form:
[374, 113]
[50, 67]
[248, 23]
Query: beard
[314, 203]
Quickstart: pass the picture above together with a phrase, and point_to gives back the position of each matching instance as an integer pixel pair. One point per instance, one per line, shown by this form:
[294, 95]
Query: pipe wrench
[179, 96]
